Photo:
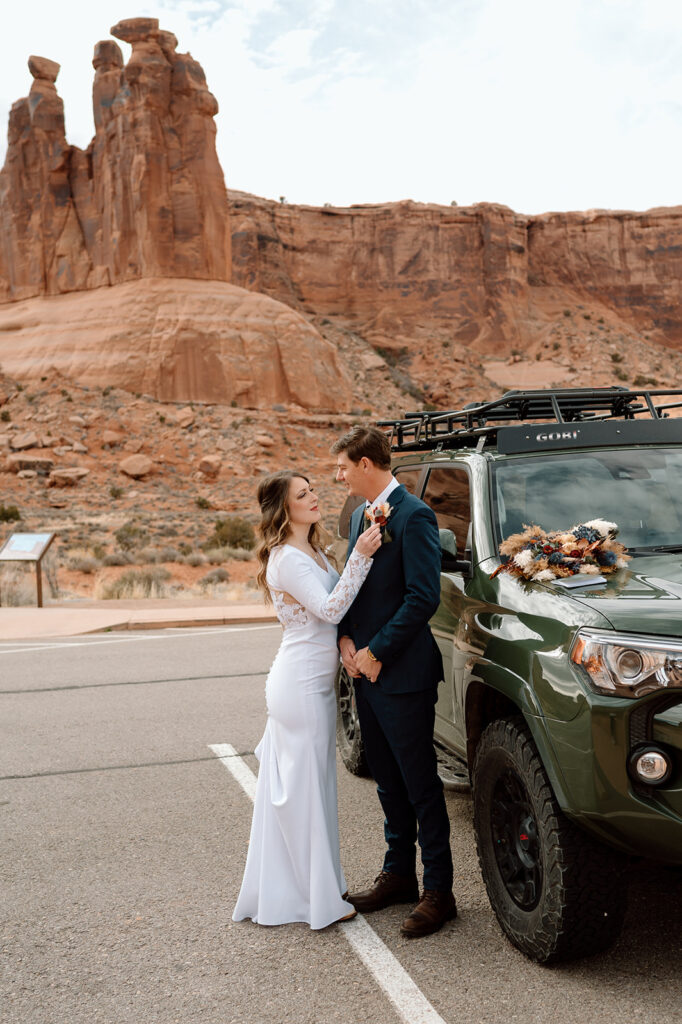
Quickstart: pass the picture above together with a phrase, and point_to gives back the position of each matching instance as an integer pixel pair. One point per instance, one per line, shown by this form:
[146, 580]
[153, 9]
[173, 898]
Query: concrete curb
[48, 623]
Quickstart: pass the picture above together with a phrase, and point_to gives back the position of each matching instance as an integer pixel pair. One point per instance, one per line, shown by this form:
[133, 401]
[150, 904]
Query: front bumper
[593, 750]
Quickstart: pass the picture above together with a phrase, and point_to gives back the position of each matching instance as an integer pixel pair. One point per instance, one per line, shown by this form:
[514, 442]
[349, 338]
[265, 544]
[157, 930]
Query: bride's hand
[369, 541]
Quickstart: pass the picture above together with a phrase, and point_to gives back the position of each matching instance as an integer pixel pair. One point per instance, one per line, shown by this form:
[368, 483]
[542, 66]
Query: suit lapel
[358, 518]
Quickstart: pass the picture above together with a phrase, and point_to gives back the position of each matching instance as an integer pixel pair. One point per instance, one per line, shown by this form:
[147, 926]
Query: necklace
[312, 553]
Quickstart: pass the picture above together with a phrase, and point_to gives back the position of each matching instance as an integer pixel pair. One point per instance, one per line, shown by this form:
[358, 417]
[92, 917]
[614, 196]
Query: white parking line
[410, 1002]
[8, 648]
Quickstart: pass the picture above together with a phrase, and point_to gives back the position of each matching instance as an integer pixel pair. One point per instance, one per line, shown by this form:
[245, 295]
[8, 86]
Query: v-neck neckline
[310, 557]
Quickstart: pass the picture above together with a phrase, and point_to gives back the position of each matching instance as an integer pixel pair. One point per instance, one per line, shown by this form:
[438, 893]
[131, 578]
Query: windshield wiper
[672, 548]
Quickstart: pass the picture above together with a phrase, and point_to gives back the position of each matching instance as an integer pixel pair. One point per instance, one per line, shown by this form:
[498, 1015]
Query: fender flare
[492, 677]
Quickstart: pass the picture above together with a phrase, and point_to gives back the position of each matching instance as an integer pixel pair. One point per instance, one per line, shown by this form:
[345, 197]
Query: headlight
[627, 666]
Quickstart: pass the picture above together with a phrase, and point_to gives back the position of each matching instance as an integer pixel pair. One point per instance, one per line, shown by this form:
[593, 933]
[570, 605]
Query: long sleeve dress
[293, 866]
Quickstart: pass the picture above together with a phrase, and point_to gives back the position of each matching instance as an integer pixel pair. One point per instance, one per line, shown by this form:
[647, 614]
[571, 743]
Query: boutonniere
[379, 515]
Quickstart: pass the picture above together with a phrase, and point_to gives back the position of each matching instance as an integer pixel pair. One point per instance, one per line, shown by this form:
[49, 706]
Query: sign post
[28, 547]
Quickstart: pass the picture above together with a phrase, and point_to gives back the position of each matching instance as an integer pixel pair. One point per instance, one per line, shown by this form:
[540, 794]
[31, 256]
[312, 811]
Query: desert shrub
[213, 577]
[169, 554]
[5, 416]
[49, 570]
[117, 558]
[131, 535]
[216, 556]
[115, 492]
[136, 583]
[149, 556]
[641, 382]
[167, 530]
[9, 514]
[202, 502]
[194, 558]
[234, 532]
[616, 357]
[83, 563]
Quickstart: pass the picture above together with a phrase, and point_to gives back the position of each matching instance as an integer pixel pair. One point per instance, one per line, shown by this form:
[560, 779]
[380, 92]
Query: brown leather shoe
[388, 889]
[433, 910]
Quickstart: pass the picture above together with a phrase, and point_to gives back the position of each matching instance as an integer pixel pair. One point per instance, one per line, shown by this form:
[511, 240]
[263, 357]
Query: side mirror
[350, 505]
[449, 562]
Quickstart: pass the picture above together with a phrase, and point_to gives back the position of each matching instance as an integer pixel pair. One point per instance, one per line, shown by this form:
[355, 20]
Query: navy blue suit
[390, 615]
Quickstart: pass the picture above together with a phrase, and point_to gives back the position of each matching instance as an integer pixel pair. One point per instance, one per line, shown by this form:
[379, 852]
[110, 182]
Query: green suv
[561, 701]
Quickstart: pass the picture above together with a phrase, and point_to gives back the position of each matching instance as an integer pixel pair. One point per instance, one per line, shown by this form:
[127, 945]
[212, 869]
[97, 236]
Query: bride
[293, 866]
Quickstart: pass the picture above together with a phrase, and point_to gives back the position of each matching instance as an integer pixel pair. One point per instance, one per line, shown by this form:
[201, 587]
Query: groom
[387, 647]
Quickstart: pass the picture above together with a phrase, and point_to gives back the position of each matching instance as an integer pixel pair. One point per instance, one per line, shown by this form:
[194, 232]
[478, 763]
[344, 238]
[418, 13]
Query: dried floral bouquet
[588, 548]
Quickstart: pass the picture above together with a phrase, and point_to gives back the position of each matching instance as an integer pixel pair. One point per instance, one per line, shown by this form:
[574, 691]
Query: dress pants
[397, 732]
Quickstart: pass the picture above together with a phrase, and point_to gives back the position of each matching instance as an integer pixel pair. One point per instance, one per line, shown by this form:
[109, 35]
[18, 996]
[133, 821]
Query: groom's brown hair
[365, 442]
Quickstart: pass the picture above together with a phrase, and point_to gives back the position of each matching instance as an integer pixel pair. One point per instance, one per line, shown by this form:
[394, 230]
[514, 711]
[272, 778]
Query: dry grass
[83, 563]
[17, 586]
[216, 556]
[134, 584]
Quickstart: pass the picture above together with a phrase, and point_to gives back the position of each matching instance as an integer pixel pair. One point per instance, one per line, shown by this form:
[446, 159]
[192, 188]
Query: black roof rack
[478, 423]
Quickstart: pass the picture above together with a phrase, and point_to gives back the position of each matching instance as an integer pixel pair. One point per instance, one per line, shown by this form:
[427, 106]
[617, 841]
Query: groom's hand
[348, 652]
[369, 667]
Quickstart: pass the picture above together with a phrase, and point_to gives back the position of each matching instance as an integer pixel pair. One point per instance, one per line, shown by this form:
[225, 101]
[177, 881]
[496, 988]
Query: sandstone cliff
[421, 302]
[475, 275]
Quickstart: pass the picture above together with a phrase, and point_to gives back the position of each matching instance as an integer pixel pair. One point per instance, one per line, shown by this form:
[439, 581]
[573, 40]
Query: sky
[538, 104]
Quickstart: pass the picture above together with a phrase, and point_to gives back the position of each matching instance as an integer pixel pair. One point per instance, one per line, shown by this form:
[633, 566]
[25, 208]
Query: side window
[447, 493]
[409, 478]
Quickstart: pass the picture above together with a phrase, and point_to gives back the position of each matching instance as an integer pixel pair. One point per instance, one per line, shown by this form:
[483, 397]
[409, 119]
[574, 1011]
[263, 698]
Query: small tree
[9, 513]
[234, 532]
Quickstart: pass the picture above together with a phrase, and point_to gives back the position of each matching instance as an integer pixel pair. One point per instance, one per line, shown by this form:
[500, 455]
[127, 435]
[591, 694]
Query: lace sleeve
[296, 576]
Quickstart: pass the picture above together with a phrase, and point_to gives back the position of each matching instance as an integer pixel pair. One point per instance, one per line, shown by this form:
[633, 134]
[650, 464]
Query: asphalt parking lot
[124, 833]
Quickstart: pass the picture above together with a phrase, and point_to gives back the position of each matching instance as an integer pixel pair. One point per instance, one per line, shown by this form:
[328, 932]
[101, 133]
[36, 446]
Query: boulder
[27, 474]
[210, 465]
[111, 438]
[67, 477]
[40, 463]
[265, 440]
[27, 439]
[136, 466]
[185, 417]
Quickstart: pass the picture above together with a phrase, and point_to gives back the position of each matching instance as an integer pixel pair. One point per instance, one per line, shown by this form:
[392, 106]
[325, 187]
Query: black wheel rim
[515, 840]
[348, 709]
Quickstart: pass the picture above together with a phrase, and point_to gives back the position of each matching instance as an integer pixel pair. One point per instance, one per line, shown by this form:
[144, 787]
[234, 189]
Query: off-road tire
[557, 892]
[348, 736]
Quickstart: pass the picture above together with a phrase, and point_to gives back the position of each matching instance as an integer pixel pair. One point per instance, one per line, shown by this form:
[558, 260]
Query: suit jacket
[399, 596]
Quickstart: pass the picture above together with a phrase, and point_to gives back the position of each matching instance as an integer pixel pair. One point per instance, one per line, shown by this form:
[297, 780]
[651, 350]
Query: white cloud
[562, 105]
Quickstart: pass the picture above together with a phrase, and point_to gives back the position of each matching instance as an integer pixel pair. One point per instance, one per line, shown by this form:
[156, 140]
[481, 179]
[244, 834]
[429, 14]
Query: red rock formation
[176, 340]
[475, 275]
[147, 198]
[440, 288]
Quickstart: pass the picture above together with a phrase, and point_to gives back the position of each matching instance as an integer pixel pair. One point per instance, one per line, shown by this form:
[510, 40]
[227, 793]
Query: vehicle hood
[644, 598]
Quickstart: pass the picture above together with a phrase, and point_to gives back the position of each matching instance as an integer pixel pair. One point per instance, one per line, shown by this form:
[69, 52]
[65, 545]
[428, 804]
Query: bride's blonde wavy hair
[275, 524]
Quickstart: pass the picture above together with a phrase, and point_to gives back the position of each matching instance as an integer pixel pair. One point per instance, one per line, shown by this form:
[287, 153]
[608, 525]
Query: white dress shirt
[390, 486]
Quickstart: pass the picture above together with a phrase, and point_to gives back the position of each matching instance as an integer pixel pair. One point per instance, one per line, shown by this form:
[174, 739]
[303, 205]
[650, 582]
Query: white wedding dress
[293, 866]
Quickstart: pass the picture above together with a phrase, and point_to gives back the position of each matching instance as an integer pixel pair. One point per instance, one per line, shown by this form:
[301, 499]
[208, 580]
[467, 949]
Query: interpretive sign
[28, 547]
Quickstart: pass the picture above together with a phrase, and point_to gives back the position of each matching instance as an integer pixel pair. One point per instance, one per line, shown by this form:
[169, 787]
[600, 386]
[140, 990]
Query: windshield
[638, 489]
